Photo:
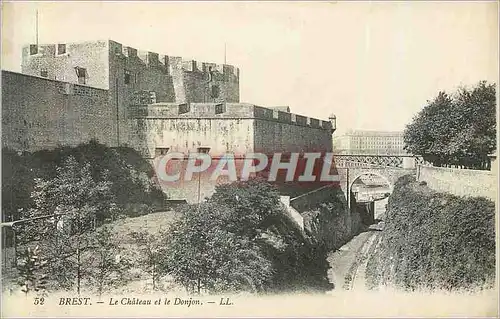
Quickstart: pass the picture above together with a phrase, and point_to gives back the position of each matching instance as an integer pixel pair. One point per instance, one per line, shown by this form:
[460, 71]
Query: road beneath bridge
[390, 168]
[348, 263]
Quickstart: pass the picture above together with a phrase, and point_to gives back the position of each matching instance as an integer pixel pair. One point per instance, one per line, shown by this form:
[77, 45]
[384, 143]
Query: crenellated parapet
[149, 58]
[44, 50]
[100, 63]
[83, 63]
[192, 81]
[222, 111]
[154, 59]
[228, 71]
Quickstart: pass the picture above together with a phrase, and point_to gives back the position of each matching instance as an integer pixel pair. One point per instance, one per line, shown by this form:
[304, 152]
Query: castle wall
[93, 56]
[225, 128]
[37, 113]
[127, 72]
[210, 82]
[198, 187]
[277, 131]
[140, 71]
[133, 71]
[170, 78]
[184, 128]
[229, 83]
[150, 102]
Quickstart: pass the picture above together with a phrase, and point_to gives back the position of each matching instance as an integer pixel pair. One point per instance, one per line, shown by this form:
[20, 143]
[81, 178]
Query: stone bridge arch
[347, 176]
[370, 172]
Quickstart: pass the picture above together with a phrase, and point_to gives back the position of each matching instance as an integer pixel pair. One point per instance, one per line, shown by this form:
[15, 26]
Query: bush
[435, 240]
[327, 220]
[202, 254]
[17, 184]
[130, 174]
[241, 239]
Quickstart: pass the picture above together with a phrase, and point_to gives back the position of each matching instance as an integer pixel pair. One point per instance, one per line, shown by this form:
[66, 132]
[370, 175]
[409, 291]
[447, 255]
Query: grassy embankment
[434, 241]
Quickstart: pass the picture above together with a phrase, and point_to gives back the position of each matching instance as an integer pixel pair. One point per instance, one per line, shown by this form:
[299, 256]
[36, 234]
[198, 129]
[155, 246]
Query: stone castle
[70, 93]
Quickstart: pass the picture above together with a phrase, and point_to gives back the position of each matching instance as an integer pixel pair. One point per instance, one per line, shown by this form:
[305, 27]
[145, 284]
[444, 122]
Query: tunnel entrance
[370, 192]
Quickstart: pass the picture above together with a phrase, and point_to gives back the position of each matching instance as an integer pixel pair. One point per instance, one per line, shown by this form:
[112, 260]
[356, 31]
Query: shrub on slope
[435, 240]
[242, 240]
[130, 174]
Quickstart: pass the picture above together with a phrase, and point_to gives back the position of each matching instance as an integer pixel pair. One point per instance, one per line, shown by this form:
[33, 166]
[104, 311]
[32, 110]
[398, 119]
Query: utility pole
[225, 53]
[36, 28]
[204, 150]
[117, 111]
[199, 190]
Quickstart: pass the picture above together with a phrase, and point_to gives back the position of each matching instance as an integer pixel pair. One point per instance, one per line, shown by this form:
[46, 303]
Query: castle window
[152, 95]
[128, 76]
[33, 49]
[81, 73]
[203, 150]
[159, 151]
[61, 48]
[220, 108]
[44, 73]
[215, 91]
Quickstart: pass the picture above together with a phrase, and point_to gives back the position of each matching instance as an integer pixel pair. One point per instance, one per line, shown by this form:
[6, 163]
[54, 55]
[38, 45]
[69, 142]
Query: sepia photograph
[249, 159]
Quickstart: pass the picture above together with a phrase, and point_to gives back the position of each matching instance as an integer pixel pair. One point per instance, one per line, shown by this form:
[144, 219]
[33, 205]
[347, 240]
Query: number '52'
[38, 301]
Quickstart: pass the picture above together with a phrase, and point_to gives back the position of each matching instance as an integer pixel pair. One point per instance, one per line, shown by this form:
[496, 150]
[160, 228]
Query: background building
[369, 142]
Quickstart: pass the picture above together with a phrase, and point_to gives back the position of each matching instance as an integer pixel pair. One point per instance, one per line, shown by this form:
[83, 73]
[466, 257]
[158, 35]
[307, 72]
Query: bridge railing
[359, 161]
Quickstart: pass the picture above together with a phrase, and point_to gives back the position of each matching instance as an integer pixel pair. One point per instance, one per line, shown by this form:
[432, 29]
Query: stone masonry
[69, 93]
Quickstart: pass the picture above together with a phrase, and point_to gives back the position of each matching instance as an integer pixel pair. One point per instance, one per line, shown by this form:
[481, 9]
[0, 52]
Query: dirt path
[358, 280]
[341, 261]
[348, 263]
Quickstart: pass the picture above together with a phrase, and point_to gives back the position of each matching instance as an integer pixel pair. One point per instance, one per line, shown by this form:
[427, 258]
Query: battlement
[117, 50]
[59, 49]
[222, 111]
[205, 67]
[154, 59]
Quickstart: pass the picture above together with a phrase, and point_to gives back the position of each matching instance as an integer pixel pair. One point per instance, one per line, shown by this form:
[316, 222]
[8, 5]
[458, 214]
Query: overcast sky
[372, 64]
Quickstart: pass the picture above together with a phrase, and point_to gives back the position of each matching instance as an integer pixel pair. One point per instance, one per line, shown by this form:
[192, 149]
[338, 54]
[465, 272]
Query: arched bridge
[387, 167]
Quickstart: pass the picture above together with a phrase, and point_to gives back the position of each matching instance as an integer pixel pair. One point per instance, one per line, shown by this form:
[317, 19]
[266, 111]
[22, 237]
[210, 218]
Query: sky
[372, 64]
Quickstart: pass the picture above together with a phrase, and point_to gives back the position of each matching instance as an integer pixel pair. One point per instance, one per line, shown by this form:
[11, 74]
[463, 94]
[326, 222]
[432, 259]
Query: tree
[251, 205]
[17, 177]
[434, 240]
[478, 106]
[132, 175]
[32, 271]
[239, 240]
[202, 253]
[457, 130]
[150, 248]
[109, 268]
[72, 200]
